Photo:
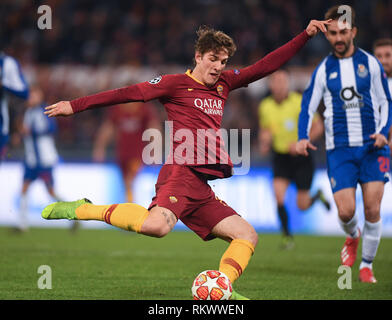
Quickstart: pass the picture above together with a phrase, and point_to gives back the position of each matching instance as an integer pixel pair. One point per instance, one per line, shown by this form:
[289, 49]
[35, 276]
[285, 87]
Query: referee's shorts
[297, 169]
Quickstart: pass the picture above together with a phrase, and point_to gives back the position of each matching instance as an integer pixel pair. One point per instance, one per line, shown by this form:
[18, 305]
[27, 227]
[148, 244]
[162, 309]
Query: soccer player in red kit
[193, 101]
[126, 123]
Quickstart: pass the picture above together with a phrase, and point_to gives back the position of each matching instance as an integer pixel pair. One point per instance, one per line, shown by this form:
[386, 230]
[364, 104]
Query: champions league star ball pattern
[211, 285]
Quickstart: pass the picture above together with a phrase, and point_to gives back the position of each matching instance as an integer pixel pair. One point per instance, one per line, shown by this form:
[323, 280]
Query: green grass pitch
[113, 264]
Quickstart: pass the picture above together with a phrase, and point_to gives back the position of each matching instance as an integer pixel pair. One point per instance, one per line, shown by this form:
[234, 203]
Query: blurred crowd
[101, 39]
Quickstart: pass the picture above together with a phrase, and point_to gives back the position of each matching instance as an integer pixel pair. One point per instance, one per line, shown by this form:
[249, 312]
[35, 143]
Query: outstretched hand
[62, 108]
[315, 26]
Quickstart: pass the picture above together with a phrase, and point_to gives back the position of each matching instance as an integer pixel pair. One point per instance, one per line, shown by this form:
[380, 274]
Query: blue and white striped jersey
[356, 97]
[11, 81]
[40, 149]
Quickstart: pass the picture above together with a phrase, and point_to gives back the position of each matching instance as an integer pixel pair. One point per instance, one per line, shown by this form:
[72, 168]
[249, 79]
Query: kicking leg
[128, 216]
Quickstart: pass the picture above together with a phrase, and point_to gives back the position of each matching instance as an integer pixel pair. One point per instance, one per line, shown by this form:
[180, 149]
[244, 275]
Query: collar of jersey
[189, 74]
[354, 53]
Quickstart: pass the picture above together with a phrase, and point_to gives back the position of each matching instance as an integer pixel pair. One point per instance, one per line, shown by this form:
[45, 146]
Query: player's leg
[280, 185]
[128, 216]
[23, 210]
[305, 200]
[130, 168]
[343, 173]
[372, 195]
[157, 221]
[373, 175]
[345, 202]
[243, 240]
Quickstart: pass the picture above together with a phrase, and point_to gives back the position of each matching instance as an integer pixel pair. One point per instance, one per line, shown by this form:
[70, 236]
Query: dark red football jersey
[195, 110]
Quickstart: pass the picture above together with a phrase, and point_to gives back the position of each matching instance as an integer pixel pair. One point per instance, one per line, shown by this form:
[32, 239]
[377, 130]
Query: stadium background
[99, 45]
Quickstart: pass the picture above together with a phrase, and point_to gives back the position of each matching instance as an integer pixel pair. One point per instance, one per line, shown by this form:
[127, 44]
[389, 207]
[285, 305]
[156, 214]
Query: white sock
[23, 212]
[350, 227]
[370, 242]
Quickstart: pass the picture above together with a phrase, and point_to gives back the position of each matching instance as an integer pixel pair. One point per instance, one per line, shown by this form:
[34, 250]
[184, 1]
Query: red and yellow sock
[236, 258]
[127, 216]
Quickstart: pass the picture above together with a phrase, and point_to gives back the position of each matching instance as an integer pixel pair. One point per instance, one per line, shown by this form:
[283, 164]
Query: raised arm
[277, 58]
[145, 91]
[103, 99]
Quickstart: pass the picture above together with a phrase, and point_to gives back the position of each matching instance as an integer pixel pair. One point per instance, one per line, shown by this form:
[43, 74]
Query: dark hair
[210, 39]
[382, 42]
[333, 14]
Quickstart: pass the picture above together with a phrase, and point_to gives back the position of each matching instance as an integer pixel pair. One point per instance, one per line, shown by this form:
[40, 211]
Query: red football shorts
[188, 195]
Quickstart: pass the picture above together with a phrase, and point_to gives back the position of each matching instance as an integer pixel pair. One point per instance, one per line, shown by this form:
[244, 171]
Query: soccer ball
[211, 285]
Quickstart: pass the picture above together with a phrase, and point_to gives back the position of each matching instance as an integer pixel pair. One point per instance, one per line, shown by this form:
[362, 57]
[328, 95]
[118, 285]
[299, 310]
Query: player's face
[341, 40]
[210, 65]
[384, 55]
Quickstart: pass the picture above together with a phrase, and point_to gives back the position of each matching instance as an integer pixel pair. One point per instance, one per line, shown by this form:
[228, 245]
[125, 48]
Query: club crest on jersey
[362, 71]
[173, 199]
[219, 89]
[155, 80]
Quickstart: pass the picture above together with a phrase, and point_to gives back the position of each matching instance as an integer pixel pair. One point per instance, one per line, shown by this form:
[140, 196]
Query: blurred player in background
[12, 82]
[40, 151]
[278, 118]
[194, 101]
[357, 120]
[383, 51]
[126, 123]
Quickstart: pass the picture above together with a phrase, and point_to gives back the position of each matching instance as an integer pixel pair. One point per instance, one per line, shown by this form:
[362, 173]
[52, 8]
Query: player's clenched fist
[62, 108]
[315, 26]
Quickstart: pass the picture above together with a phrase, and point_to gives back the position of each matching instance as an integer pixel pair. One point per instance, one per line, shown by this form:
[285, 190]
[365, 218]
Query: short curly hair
[210, 39]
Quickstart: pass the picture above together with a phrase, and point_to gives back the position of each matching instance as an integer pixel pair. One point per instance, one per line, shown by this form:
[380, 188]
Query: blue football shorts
[348, 166]
[45, 174]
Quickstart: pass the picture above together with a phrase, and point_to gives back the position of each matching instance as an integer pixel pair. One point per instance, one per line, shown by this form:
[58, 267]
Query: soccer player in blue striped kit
[12, 82]
[358, 104]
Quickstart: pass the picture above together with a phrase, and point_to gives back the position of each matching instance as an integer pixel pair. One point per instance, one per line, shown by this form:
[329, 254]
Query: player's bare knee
[161, 230]
[159, 222]
[253, 237]
[372, 213]
[346, 215]
[302, 205]
[249, 234]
